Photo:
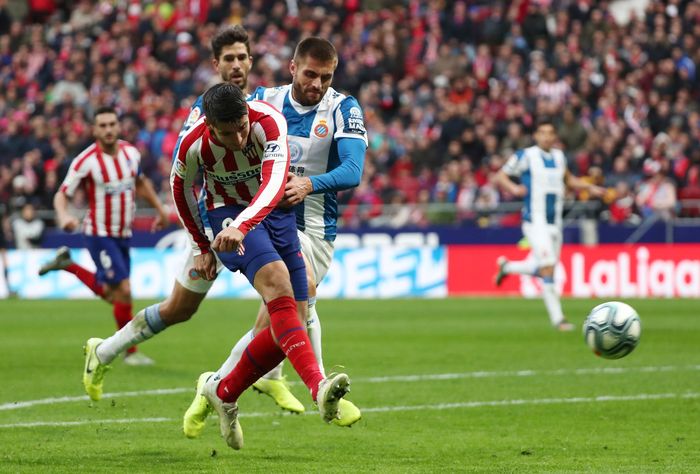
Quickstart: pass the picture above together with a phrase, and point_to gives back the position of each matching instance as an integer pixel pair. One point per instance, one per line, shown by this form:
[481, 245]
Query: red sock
[87, 277]
[261, 356]
[122, 315]
[293, 340]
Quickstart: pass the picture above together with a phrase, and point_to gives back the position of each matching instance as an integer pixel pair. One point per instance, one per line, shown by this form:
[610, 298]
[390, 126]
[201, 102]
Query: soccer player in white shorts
[327, 142]
[543, 179]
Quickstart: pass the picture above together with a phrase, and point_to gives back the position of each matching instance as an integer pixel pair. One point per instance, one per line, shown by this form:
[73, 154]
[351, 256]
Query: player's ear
[292, 67]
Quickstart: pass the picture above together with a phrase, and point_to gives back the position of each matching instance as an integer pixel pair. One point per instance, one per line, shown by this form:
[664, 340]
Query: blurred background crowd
[449, 89]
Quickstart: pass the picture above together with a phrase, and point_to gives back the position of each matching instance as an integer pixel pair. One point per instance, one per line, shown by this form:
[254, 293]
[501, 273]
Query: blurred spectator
[5, 18]
[364, 206]
[621, 209]
[27, 228]
[657, 194]
[395, 214]
[690, 194]
[571, 132]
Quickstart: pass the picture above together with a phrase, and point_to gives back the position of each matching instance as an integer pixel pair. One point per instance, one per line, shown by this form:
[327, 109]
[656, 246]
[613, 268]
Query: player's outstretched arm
[579, 184]
[144, 189]
[63, 218]
[503, 181]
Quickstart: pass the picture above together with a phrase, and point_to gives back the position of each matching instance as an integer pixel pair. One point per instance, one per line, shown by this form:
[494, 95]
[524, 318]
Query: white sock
[524, 267]
[236, 354]
[146, 324]
[551, 301]
[313, 327]
[276, 373]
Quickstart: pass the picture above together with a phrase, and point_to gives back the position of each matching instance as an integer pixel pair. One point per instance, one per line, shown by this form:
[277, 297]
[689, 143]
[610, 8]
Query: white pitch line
[537, 401]
[390, 409]
[393, 378]
[34, 424]
[526, 373]
[85, 398]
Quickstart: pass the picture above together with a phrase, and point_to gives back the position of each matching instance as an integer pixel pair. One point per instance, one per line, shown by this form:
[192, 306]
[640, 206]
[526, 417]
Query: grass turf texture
[415, 429]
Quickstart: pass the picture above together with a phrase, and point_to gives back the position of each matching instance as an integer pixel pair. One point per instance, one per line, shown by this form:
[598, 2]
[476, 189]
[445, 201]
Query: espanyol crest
[321, 129]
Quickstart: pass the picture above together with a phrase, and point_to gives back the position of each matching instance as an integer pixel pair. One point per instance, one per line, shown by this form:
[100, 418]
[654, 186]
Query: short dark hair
[105, 109]
[542, 121]
[224, 103]
[227, 36]
[317, 48]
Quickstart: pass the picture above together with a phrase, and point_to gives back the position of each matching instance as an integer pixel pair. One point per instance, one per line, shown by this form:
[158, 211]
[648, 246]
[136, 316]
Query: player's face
[545, 136]
[106, 129]
[311, 79]
[234, 64]
[233, 136]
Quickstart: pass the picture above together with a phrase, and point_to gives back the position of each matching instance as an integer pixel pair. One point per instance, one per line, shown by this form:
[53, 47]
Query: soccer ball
[612, 329]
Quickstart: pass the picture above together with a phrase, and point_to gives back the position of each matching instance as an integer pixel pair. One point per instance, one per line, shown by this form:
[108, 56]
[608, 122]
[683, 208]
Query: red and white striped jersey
[253, 177]
[110, 184]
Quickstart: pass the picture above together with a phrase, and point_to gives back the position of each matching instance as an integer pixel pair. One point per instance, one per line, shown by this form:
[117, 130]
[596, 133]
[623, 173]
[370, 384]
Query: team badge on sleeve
[355, 122]
[193, 117]
[180, 168]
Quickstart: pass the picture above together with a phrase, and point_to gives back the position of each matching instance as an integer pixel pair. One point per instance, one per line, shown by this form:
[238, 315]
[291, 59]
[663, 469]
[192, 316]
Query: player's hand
[205, 265]
[160, 222]
[68, 223]
[229, 239]
[596, 191]
[296, 190]
[519, 190]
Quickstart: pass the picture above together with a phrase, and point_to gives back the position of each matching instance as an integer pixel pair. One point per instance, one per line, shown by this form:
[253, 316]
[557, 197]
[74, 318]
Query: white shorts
[545, 242]
[319, 254]
[189, 278]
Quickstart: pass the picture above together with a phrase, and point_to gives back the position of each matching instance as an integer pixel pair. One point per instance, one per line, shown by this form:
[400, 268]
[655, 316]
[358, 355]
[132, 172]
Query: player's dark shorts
[274, 239]
[111, 257]
[3, 240]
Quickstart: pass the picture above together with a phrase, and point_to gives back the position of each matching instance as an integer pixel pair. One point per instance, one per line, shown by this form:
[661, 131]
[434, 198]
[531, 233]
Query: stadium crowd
[450, 90]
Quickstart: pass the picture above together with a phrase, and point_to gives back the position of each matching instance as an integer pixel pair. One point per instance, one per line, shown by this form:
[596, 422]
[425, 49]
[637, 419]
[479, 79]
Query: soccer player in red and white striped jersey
[252, 176]
[108, 172]
[241, 148]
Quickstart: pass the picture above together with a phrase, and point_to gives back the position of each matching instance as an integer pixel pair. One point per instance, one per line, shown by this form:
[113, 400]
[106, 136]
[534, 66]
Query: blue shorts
[111, 257]
[274, 239]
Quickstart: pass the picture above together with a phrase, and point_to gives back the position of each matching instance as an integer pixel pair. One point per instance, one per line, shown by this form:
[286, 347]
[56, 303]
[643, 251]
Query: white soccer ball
[612, 329]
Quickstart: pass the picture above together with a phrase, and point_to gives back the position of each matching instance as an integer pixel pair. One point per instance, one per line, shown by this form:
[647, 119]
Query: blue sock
[155, 323]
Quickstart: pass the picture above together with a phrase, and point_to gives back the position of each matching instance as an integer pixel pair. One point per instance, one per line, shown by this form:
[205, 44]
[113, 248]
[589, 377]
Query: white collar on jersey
[547, 154]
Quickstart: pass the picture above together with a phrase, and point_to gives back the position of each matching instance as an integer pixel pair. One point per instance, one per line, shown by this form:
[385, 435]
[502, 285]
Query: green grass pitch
[454, 385]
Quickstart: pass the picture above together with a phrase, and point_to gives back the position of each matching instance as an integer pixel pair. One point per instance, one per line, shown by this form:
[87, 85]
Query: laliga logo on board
[655, 277]
[626, 275]
[321, 129]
